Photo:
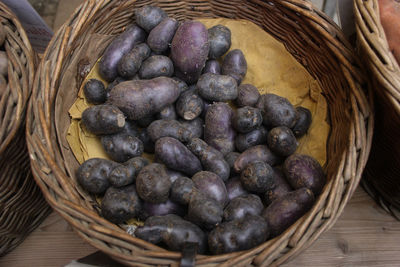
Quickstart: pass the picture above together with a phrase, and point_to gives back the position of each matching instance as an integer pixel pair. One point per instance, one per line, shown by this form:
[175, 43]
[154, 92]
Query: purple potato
[218, 131]
[130, 63]
[219, 37]
[303, 121]
[248, 95]
[93, 174]
[304, 171]
[212, 186]
[196, 126]
[121, 204]
[142, 98]
[237, 235]
[246, 119]
[182, 189]
[153, 183]
[189, 50]
[282, 141]
[235, 65]
[235, 188]
[173, 231]
[176, 156]
[285, 211]
[148, 17]
[257, 177]
[120, 46]
[168, 113]
[256, 153]
[161, 36]
[103, 119]
[280, 188]
[211, 159]
[204, 211]
[121, 147]
[156, 66]
[168, 128]
[243, 206]
[189, 105]
[219, 88]
[161, 209]
[277, 111]
[95, 92]
[250, 139]
[212, 66]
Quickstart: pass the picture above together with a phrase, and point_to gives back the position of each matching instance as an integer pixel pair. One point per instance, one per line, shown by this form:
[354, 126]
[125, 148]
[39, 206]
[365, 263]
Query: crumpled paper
[270, 68]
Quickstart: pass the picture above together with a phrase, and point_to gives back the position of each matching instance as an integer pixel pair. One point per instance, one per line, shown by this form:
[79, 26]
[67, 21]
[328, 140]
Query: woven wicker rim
[307, 25]
[21, 73]
[22, 206]
[373, 41]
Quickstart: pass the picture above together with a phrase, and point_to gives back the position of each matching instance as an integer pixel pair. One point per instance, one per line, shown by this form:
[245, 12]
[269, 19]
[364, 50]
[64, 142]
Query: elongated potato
[172, 231]
[117, 49]
[176, 156]
[218, 131]
[149, 17]
[130, 63]
[156, 66]
[277, 111]
[121, 146]
[103, 119]
[211, 159]
[161, 36]
[235, 65]
[303, 121]
[141, 98]
[219, 88]
[238, 235]
[168, 128]
[284, 211]
[189, 50]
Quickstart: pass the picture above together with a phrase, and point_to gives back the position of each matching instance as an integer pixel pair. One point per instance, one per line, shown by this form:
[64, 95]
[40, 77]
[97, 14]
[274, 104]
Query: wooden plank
[364, 235]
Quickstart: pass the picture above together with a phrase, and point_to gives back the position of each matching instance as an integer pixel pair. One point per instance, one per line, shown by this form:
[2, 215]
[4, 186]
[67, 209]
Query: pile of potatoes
[3, 61]
[225, 178]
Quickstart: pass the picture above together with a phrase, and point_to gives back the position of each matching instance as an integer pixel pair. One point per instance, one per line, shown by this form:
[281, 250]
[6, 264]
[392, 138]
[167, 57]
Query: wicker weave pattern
[383, 168]
[22, 206]
[310, 36]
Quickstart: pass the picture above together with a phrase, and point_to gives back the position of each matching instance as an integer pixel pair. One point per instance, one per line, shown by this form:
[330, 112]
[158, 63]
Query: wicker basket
[381, 178]
[309, 35]
[22, 206]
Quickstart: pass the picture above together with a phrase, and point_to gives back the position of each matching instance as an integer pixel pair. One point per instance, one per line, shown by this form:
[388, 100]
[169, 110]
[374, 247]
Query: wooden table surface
[364, 235]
